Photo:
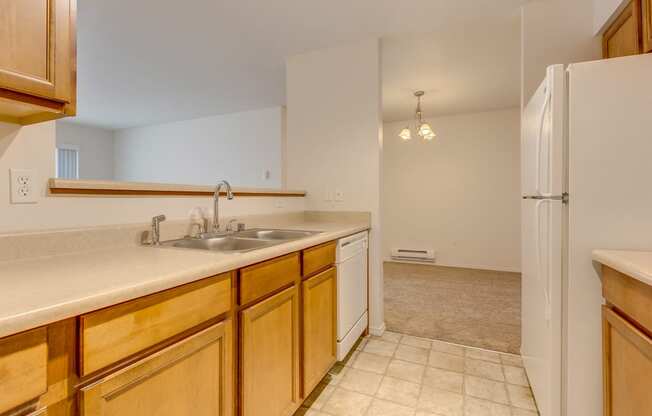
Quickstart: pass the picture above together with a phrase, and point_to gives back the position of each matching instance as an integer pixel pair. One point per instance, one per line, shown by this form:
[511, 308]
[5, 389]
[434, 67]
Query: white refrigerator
[586, 156]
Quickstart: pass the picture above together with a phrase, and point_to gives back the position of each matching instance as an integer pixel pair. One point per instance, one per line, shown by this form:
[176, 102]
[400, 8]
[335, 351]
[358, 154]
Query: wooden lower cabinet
[627, 367]
[191, 377]
[270, 356]
[319, 327]
[23, 368]
[175, 352]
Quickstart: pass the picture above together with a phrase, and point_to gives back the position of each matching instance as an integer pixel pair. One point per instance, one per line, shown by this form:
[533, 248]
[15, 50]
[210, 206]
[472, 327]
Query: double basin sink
[241, 241]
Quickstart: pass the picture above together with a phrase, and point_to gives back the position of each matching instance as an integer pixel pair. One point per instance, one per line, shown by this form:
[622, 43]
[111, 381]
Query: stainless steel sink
[268, 234]
[240, 242]
[226, 244]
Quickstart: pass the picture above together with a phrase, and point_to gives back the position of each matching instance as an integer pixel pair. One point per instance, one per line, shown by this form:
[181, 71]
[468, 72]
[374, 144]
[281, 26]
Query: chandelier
[423, 128]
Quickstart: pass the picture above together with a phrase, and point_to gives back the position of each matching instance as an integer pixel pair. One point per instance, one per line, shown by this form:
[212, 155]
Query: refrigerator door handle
[542, 119]
[542, 277]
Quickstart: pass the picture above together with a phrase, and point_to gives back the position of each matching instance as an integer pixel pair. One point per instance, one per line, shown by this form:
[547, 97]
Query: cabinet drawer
[114, 333]
[23, 368]
[318, 258]
[632, 297]
[264, 278]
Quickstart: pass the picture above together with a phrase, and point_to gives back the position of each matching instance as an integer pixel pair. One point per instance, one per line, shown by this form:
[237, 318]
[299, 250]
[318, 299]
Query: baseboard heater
[408, 254]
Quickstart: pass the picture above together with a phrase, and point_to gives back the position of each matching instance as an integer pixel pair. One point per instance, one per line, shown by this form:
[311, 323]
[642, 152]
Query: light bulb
[405, 134]
[426, 132]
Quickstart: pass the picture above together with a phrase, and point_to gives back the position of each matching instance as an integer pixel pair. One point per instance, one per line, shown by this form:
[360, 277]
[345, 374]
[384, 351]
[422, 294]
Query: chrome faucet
[156, 229]
[216, 199]
[201, 229]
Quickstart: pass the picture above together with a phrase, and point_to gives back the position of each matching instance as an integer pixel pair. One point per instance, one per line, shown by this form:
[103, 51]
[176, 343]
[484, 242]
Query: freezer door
[543, 137]
[542, 300]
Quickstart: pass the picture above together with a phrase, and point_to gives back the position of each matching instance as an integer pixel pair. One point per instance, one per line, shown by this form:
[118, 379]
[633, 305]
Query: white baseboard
[458, 266]
[378, 331]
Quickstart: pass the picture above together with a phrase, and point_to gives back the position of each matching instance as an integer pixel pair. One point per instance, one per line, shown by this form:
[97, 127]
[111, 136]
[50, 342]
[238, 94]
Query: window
[67, 160]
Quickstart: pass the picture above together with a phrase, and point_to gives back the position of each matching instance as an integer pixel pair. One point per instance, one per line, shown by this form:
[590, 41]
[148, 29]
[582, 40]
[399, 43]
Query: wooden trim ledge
[68, 187]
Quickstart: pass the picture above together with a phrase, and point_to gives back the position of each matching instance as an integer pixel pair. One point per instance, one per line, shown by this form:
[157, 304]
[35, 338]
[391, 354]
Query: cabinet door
[270, 356]
[627, 367]
[191, 377]
[647, 25]
[624, 36]
[319, 327]
[37, 47]
[23, 368]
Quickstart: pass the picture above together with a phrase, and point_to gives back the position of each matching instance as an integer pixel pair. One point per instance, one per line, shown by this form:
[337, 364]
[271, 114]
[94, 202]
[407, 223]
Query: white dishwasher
[352, 316]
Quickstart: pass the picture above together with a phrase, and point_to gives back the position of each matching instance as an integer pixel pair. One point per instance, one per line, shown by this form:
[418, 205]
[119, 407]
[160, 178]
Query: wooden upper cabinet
[631, 32]
[191, 377]
[270, 356]
[624, 36]
[647, 25]
[37, 60]
[319, 327]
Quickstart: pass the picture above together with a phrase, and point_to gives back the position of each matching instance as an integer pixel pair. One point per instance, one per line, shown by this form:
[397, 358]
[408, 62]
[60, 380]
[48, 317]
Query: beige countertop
[637, 264]
[43, 290]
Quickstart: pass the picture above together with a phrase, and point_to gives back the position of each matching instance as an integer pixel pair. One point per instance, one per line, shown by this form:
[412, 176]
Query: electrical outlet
[23, 188]
[339, 195]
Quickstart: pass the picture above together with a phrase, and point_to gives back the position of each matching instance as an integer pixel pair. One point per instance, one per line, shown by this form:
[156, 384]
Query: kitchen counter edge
[57, 308]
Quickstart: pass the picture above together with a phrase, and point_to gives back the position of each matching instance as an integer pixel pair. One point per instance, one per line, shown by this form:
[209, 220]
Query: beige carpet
[478, 308]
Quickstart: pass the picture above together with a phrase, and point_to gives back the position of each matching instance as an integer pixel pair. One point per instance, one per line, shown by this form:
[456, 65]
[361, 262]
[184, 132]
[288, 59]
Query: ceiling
[150, 61]
[461, 69]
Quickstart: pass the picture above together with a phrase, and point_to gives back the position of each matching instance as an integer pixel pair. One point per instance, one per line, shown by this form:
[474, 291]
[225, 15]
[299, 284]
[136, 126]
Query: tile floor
[402, 375]
[480, 308]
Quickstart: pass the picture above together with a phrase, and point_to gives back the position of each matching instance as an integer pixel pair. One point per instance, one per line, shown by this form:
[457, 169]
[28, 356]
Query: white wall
[334, 139]
[555, 32]
[95, 148]
[459, 194]
[32, 147]
[604, 11]
[238, 147]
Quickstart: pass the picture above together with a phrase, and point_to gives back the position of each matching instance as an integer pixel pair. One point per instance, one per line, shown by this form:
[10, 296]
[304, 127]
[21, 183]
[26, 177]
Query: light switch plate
[23, 186]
